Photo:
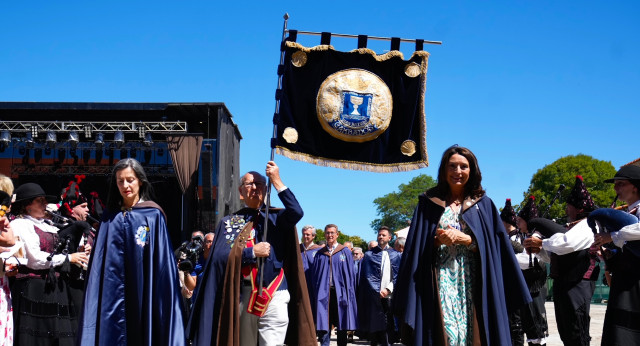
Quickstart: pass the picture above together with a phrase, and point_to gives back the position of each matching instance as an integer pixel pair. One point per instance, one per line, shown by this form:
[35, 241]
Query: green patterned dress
[455, 268]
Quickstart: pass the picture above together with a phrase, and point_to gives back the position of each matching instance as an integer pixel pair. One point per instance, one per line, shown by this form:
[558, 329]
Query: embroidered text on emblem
[354, 105]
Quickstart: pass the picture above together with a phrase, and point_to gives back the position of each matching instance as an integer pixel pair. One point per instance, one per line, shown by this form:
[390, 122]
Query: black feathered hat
[96, 207]
[530, 210]
[579, 197]
[508, 214]
[72, 196]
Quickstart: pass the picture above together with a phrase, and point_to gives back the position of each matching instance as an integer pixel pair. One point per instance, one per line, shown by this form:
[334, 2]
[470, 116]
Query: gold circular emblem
[354, 105]
[299, 58]
[408, 147]
[290, 135]
[412, 70]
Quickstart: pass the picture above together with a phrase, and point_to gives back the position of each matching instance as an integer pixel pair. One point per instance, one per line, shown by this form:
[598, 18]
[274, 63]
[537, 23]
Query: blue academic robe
[340, 263]
[500, 282]
[133, 294]
[307, 255]
[371, 316]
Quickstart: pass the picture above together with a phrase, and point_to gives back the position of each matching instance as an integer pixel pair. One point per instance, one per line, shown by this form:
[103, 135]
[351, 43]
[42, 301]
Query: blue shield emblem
[356, 108]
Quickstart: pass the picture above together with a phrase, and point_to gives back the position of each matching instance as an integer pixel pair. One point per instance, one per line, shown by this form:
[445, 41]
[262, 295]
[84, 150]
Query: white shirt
[523, 257]
[37, 259]
[579, 237]
[627, 233]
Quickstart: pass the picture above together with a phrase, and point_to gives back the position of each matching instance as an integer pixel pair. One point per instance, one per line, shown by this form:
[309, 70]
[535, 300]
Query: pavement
[597, 320]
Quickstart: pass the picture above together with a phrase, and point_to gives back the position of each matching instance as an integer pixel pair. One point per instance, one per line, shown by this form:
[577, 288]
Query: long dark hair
[20, 207]
[114, 199]
[473, 187]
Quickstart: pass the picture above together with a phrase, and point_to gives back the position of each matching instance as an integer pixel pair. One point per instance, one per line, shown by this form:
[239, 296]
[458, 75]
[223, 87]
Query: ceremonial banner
[353, 110]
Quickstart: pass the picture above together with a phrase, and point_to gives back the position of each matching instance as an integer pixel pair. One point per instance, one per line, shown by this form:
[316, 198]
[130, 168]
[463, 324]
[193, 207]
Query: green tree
[396, 208]
[319, 235]
[545, 182]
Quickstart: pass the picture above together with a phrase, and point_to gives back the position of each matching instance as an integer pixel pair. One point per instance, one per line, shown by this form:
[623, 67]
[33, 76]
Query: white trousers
[271, 328]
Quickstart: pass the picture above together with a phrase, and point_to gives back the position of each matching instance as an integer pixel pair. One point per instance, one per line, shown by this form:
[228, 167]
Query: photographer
[191, 279]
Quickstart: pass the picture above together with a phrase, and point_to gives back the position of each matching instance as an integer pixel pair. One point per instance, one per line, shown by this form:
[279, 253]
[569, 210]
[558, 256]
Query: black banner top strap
[395, 43]
[362, 41]
[419, 44]
[293, 35]
[325, 38]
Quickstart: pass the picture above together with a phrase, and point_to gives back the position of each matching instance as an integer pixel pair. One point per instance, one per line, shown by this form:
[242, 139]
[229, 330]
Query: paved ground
[597, 318]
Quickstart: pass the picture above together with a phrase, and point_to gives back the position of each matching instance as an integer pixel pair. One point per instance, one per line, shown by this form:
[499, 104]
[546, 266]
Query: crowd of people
[466, 274]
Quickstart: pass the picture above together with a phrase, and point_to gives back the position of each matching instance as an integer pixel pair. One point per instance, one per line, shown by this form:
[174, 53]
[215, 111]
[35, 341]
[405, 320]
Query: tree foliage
[396, 208]
[545, 182]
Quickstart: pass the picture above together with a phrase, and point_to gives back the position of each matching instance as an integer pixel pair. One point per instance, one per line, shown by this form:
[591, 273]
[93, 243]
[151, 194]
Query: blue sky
[521, 83]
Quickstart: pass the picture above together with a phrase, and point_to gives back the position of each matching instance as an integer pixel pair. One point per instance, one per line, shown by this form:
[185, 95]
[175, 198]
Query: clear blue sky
[521, 83]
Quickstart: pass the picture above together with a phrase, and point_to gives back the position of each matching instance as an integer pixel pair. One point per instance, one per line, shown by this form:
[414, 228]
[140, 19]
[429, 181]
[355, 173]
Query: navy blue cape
[344, 280]
[133, 295]
[502, 287]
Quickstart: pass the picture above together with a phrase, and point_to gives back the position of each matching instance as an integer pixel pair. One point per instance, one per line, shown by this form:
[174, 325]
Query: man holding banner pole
[229, 310]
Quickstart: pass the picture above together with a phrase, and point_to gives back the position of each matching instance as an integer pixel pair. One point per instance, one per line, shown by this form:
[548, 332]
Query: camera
[189, 252]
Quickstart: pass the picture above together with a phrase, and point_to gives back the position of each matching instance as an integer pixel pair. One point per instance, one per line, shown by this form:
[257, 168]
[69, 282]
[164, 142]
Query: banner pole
[275, 129]
[378, 38]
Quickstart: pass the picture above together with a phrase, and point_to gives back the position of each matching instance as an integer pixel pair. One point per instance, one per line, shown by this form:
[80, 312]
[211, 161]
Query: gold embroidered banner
[353, 110]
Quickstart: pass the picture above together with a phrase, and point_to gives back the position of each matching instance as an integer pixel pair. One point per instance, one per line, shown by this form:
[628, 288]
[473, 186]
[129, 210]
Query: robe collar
[439, 199]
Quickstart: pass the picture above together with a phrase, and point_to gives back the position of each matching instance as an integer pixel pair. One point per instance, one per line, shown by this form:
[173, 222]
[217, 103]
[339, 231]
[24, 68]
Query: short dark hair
[114, 199]
[384, 228]
[473, 187]
[331, 225]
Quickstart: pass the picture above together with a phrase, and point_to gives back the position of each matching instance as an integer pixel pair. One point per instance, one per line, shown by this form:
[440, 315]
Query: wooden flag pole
[275, 129]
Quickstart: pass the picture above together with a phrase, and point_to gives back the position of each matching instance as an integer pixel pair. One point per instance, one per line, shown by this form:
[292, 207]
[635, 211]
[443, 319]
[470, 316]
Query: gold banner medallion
[354, 105]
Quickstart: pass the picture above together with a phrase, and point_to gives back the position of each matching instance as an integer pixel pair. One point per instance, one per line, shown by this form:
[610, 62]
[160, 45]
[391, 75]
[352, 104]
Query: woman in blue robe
[133, 295]
[458, 276]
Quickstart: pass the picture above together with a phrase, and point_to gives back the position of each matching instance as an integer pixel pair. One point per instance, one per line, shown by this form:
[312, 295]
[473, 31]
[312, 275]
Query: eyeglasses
[257, 184]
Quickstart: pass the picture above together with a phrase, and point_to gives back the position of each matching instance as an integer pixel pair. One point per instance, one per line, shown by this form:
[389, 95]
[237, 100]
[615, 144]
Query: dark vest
[572, 266]
[47, 244]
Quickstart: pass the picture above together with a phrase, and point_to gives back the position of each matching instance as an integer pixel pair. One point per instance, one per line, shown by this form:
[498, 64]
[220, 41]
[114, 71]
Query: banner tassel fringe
[351, 165]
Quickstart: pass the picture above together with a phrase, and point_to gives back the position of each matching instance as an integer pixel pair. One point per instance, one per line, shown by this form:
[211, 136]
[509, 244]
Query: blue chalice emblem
[356, 108]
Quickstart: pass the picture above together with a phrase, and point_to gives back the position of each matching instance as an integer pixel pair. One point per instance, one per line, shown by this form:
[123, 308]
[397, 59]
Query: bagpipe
[610, 219]
[533, 226]
[607, 220]
[70, 233]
